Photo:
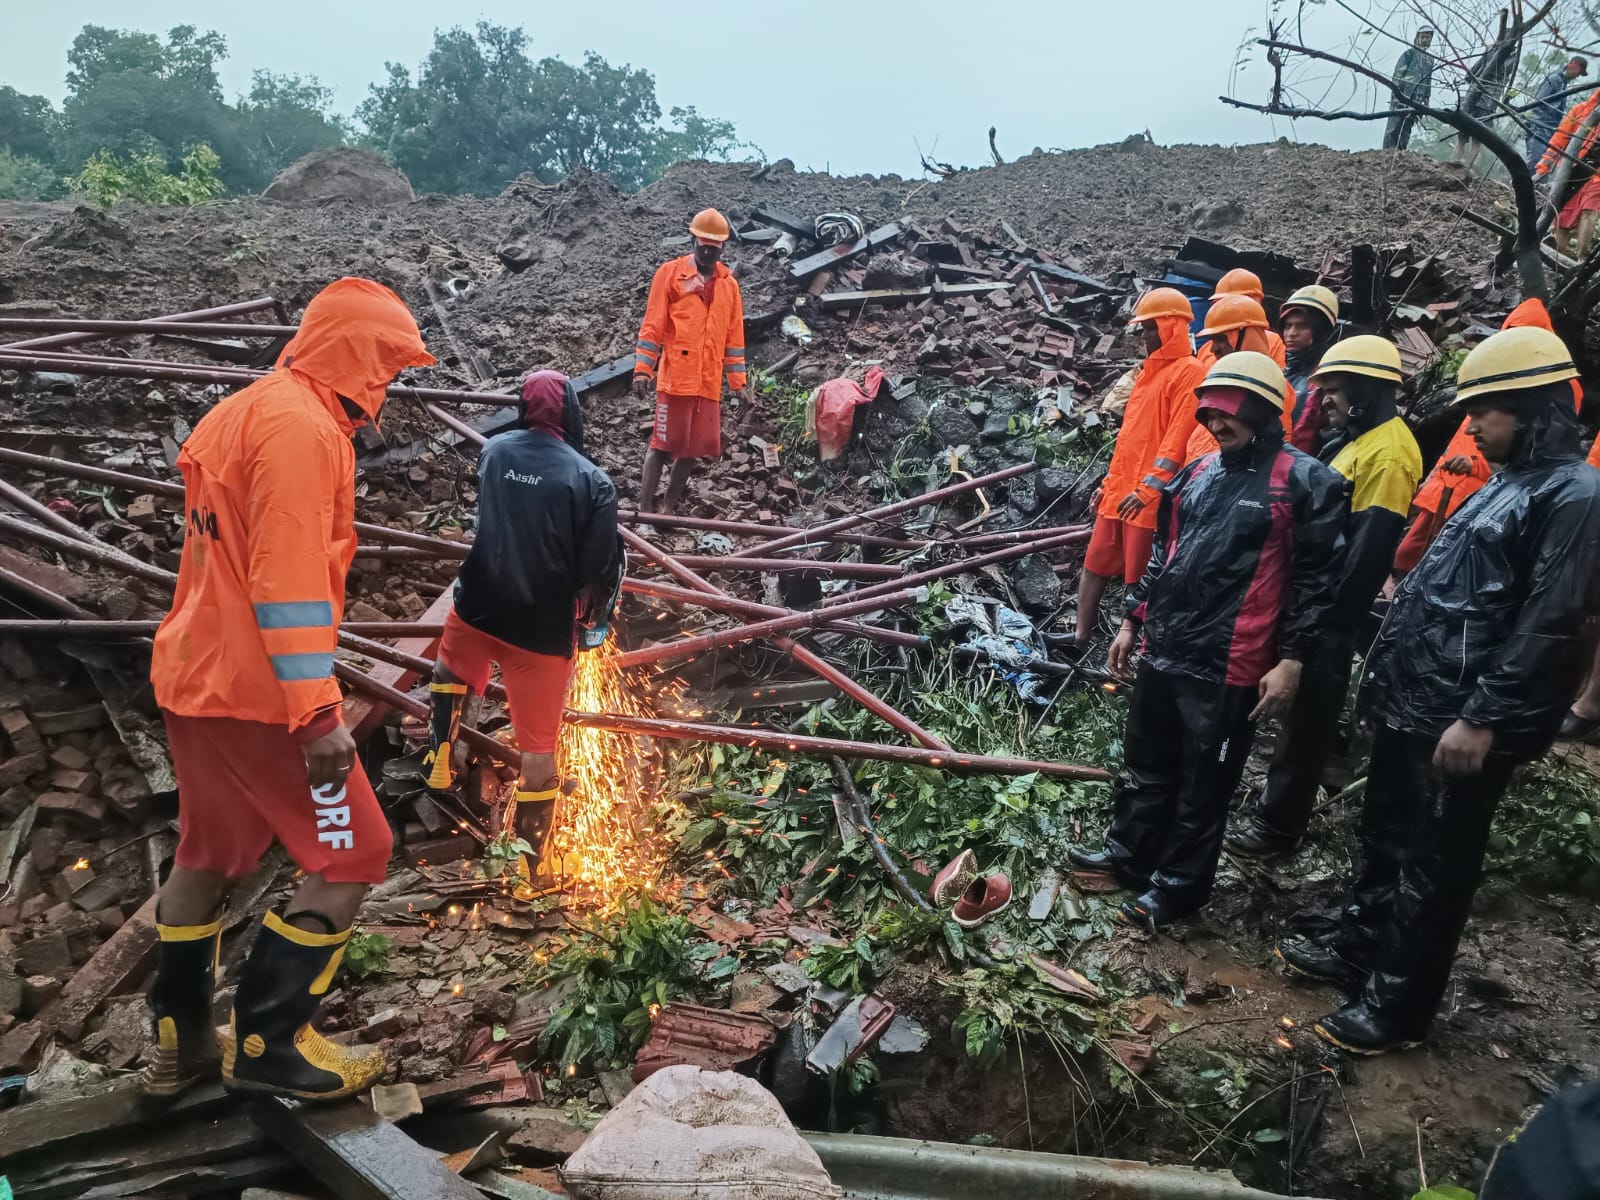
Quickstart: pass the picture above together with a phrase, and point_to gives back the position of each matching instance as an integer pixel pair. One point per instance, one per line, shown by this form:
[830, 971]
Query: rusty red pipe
[766, 739]
[1006, 537]
[103, 328]
[199, 314]
[836, 570]
[807, 658]
[753, 529]
[885, 510]
[748, 608]
[958, 567]
[398, 700]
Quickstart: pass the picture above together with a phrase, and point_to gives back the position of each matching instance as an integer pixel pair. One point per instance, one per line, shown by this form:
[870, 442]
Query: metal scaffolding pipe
[15, 360]
[745, 633]
[200, 314]
[837, 570]
[93, 550]
[958, 567]
[749, 608]
[101, 328]
[20, 499]
[753, 529]
[802, 536]
[43, 464]
[22, 584]
[807, 658]
[1006, 537]
[793, 743]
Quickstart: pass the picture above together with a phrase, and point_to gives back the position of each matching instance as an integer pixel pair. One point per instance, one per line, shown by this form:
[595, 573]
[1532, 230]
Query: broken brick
[71, 720]
[19, 731]
[69, 758]
[74, 804]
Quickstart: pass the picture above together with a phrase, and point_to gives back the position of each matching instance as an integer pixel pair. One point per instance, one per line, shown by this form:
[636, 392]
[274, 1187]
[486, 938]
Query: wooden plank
[823, 260]
[51, 1123]
[617, 368]
[790, 222]
[362, 713]
[358, 1154]
[835, 300]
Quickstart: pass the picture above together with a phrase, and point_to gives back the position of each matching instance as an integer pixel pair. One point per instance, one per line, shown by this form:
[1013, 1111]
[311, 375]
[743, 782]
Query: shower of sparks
[606, 840]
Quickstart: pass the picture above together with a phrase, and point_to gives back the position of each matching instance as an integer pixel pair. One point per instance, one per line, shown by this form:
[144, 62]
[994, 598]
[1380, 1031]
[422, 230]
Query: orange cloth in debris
[1594, 454]
[686, 344]
[1564, 134]
[1155, 424]
[269, 492]
[1532, 314]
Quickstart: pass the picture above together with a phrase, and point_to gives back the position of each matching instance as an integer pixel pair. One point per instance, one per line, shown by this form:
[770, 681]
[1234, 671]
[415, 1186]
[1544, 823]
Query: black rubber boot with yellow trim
[448, 701]
[185, 1049]
[533, 817]
[270, 1046]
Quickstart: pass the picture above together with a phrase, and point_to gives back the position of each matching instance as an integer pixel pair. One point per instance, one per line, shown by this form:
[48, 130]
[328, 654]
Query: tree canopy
[479, 110]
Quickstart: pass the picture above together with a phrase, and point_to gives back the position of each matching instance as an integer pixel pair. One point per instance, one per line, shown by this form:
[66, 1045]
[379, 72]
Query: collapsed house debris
[948, 532]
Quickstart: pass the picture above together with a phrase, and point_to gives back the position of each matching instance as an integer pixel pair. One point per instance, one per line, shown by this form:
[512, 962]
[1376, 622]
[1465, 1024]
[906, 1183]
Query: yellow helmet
[1512, 360]
[1365, 354]
[1240, 282]
[1163, 302]
[1317, 299]
[1254, 372]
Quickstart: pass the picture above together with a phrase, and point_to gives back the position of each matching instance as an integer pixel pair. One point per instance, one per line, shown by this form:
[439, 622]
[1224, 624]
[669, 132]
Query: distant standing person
[1413, 81]
[1486, 87]
[1548, 107]
[691, 339]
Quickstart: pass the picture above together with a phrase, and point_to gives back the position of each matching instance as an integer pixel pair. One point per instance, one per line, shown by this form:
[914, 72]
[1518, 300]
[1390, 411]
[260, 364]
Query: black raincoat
[1490, 625]
[546, 542]
[1245, 564]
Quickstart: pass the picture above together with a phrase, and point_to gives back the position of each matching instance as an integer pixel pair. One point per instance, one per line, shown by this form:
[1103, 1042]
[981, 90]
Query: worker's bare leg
[338, 902]
[1586, 224]
[1587, 705]
[191, 897]
[676, 482]
[1091, 590]
[650, 481]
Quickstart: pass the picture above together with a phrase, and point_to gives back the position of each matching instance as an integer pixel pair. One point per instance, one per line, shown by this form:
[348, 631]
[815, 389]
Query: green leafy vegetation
[143, 175]
[1547, 828]
[617, 970]
[502, 853]
[367, 954]
[479, 111]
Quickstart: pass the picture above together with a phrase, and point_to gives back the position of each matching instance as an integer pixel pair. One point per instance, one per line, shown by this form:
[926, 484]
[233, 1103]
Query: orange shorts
[242, 786]
[1118, 548]
[536, 684]
[688, 426]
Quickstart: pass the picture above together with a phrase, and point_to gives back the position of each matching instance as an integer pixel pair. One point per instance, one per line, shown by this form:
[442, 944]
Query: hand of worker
[641, 386]
[1120, 661]
[1277, 689]
[1462, 749]
[330, 757]
[1459, 465]
[1130, 507]
[1094, 500]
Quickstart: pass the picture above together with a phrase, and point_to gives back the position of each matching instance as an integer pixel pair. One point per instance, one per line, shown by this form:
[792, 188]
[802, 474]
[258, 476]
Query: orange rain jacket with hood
[269, 493]
[688, 344]
[1155, 425]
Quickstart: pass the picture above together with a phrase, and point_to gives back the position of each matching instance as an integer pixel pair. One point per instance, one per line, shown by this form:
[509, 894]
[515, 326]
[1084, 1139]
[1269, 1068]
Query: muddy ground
[1522, 1015]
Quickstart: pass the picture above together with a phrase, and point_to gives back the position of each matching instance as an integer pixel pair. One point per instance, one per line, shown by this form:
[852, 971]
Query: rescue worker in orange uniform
[243, 673]
[1234, 323]
[691, 340]
[1580, 203]
[1240, 282]
[1461, 469]
[1149, 451]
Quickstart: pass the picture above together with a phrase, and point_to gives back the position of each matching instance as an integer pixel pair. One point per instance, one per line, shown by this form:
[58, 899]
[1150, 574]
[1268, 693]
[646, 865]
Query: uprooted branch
[1530, 265]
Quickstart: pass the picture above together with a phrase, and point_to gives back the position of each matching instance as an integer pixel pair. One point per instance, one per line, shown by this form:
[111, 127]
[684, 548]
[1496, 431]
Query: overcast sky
[848, 87]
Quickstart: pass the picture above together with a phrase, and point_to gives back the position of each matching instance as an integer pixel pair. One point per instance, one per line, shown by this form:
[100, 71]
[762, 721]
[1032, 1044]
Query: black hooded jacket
[1490, 625]
[546, 539]
[1245, 562]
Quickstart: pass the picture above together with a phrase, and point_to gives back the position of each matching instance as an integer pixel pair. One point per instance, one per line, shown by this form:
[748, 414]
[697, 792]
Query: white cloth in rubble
[688, 1134]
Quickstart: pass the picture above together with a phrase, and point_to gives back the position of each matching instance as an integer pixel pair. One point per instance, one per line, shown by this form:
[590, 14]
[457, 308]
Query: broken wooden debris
[833, 301]
[834, 255]
[356, 1153]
